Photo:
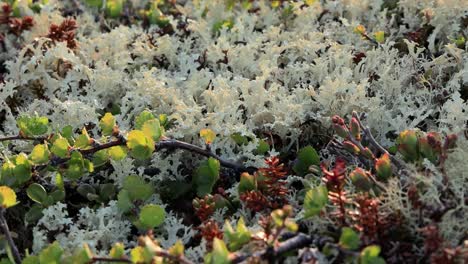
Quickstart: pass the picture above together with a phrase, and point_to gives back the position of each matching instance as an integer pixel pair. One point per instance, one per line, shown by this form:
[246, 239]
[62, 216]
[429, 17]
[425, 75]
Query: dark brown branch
[7, 233]
[177, 259]
[165, 143]
[19, 137]
[176, 144]
[104, 259]
[299, 241]
[399, 164]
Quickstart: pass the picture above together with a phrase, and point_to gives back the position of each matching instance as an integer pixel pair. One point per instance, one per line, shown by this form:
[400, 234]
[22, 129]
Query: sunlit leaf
[40, 154]
[107, 124]
[7, 197]
[152, 215]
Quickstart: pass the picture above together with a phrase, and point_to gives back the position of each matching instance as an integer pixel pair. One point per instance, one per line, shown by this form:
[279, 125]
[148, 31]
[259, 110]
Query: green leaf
[152, 129]
[59, 181]
[117, 251]
[370, 255]
[83, 140]
[107, 124]
[137, 188]
[22, 170]
[124, 202]
[140, 145]
[240, 139]
[117, 153]
[142, 118]
[163, 120]
[83, 255]
[37, 193]
[177, 249]
[40, 154]
[30, 260]
[140, 255]
[100, 157]
[34, 213]
[60, 147]
[85, 189]
[57, 195]
[52, 254]
[246, 183]
[315, 200]
[206, 176]
[262, 148]
[107, 191]
[114, 8]
[76, 166]
[8, 173]
[31, 126]
[220, 253]
[7, 197]
[67, 132]
[305, 158]
[349, 239]
[152, 216]
[239, 237]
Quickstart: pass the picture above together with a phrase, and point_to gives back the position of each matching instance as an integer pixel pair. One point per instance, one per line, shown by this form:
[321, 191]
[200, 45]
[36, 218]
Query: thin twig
[7, 233]
[374, 142]
[104, 259]
[20, 137]
[165, 143]
[178, 259]
[173, 143]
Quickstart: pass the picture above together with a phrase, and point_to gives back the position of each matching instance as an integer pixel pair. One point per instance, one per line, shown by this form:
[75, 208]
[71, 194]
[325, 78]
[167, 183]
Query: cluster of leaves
[365, 229]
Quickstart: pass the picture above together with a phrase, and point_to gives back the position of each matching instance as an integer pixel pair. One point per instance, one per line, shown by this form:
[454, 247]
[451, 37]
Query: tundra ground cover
[234, 131]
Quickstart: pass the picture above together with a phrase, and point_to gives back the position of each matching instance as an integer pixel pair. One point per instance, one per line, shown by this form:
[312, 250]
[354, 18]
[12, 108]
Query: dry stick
[7, 233]
[19, 137]
[104, 259]
[374, 142]
[165, 143]
[300, 240]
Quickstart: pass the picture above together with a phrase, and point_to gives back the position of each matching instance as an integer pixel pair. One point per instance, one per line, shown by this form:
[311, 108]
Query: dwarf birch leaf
[152, 216]
[37, 193]
[305, 158]
[7, 197]
[208, 135]
[315, 200]
[142, 118]
[206, 176]
[60, 147]
[107, 124]
[349, 239]
[40, 154]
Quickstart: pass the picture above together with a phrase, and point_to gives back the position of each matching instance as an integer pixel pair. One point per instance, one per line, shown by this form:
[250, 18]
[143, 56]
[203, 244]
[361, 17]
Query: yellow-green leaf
[60, 147]
[140, 144]
[40, 154]
[7, 197]
[208, 135]
[107, 124]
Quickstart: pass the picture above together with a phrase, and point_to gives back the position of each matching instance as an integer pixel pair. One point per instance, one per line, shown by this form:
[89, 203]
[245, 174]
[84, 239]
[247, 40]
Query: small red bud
[383, 167]
[361, 180]
[355, 128]
[349, 146]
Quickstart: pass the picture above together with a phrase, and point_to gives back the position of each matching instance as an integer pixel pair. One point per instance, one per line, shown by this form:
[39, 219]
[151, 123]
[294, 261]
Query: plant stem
[19, 137]
[7, 233]
[104, 259]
